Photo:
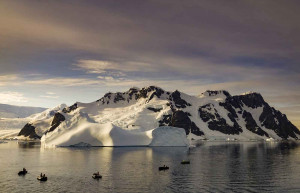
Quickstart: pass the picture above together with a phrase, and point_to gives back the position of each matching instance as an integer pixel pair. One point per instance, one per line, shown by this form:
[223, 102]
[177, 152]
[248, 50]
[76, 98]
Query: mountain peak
[251, 99]
[134, 88]
[216, 93]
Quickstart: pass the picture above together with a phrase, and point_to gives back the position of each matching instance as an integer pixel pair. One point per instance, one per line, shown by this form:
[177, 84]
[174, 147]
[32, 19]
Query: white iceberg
[93, 134]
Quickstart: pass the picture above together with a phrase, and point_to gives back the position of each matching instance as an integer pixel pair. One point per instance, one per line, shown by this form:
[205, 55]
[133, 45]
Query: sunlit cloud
[64, 82]
[50, 93]
[99, 67]
[15, 97]
[108, 78]
[6, 80]
[49, 96]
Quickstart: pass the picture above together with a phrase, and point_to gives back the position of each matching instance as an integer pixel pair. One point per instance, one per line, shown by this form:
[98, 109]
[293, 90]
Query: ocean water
[215, 167]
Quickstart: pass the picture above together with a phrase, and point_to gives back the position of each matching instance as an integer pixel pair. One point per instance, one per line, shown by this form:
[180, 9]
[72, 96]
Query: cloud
[112, 68]
[94, 66]
[191, 46]
[9, 79]
[63, 82]
[107, 78]
[50, 93]
[149, 31]
[49, 96]
[12, 97]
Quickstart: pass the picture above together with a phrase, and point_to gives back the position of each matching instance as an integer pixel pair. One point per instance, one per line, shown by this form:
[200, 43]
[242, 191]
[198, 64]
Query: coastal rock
[29, 131]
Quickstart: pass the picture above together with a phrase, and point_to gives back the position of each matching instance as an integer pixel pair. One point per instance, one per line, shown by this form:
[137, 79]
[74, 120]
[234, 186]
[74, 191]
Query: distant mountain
[132, 118]
[11, 111]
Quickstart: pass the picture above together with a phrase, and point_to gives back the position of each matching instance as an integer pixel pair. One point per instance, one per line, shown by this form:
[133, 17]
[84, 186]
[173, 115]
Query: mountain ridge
[211, 115]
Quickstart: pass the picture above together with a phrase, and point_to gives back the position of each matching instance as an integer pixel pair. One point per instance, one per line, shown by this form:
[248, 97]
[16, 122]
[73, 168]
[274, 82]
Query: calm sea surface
[215, 167]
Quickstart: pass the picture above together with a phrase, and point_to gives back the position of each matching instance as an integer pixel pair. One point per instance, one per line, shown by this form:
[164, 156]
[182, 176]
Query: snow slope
[9, 133]
[10, 127]
[13, 118]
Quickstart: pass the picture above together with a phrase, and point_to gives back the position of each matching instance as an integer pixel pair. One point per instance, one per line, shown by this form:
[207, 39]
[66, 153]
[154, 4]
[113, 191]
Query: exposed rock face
[119, 97]
[145, 93]
[217, 92]
[29, 131]
[57, 119]
[252, 100]
[70, 108]
[270, 118]
[275, 120]
[154, 109]
[133, 93]
[181, 119]
[251, 125]
[178, 101]
[215, 122]
[234, 105]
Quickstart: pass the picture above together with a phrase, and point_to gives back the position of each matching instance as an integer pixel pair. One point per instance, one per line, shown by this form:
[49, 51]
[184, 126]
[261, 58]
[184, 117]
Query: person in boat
[44, 175]
[24, 170]
[41, 175]
[97, 173]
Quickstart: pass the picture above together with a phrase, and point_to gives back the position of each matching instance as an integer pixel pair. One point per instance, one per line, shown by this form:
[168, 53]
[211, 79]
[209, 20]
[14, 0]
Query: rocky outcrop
[252, 126]
[181, 119]
[57, 119]
[217, 92]
[178, 101]
[236, 103]
[215, 122]
[70, 108]
[29, 131]
[154, 109]
[133, 93]
[145, 93]
[118, 97]
[275, 120]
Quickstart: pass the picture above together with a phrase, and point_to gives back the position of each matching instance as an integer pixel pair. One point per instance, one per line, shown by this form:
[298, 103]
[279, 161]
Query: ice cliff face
[135, 114]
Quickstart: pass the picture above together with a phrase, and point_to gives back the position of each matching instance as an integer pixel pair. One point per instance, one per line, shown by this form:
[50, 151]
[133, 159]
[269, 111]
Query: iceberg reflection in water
[215, 167]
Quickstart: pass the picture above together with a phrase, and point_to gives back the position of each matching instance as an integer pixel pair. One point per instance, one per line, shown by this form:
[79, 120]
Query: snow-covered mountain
[11, 111]
[137, 117]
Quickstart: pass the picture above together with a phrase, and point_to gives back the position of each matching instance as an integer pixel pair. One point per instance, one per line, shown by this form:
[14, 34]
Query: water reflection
[215, 167]
[28, 144]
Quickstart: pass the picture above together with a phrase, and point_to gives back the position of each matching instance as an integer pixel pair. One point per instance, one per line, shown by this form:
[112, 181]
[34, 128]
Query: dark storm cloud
[218, 29]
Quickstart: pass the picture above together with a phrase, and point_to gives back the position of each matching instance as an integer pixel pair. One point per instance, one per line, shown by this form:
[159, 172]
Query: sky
[54, 52]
